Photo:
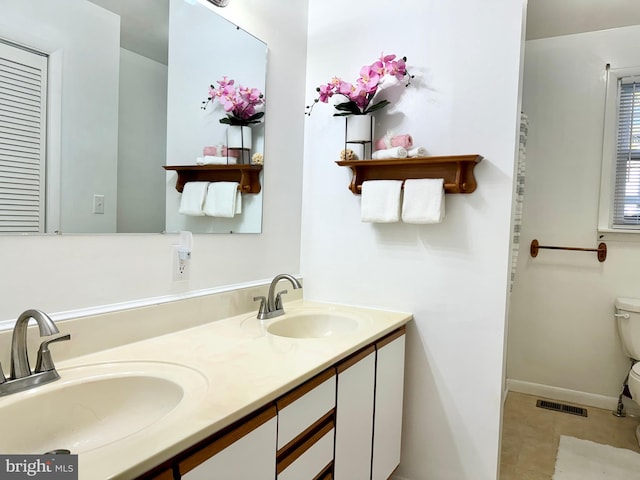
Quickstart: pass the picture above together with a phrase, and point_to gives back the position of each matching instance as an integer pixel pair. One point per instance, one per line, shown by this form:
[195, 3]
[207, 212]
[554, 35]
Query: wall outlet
[98, 204]
[181, 268]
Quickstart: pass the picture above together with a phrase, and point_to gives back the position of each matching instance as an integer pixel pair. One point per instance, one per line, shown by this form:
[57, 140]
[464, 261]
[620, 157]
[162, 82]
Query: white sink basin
[313, 325]
[94, 405]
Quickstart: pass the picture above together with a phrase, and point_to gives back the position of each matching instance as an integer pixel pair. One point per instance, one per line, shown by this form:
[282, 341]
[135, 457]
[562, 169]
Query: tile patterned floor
[530, 435]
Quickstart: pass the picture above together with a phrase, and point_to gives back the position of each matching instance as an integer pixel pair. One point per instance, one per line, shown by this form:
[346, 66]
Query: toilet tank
[628, 316]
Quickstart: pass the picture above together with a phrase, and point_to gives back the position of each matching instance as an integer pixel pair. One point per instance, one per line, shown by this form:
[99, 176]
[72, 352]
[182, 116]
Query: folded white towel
[395, 152]
[239, 203]
[192, 198]
[380, 201]
[417, 152]
[423, 200]
[215, 160]
[221, 199]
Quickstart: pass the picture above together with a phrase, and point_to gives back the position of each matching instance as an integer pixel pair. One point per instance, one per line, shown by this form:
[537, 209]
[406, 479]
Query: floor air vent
[561, 407]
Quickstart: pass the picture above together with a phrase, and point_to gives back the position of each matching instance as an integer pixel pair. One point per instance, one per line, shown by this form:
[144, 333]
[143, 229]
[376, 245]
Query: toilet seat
[634, 382]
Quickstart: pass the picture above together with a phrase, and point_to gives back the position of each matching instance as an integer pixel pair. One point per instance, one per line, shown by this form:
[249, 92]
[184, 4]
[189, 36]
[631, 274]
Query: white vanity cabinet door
[242, 454]
[354, 415]
[387, 428]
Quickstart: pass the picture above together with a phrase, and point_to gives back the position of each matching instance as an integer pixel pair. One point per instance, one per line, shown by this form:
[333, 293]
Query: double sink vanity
[315, 392]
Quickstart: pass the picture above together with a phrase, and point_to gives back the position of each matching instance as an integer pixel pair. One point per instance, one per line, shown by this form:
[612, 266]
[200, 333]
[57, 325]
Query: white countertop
[243, 368]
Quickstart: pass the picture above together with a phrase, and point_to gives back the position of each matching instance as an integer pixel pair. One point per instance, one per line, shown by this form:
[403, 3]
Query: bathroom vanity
[237, 398]
[344, 423]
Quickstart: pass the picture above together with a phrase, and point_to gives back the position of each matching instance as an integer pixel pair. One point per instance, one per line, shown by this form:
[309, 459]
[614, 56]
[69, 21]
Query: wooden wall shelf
[247, 175]
[456, 170]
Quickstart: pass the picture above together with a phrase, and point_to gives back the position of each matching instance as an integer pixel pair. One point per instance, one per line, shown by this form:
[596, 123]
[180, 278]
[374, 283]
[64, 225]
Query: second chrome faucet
[271, 306]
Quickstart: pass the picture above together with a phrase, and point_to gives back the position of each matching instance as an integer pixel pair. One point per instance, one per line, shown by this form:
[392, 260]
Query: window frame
[606, 227]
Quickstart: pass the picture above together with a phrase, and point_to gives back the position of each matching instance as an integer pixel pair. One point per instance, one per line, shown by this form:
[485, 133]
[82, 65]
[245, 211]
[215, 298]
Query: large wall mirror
[97, 96]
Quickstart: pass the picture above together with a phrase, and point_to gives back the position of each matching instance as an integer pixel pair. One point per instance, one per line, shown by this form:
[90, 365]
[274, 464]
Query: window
[23, 83]
[620, 187]
[626, 200]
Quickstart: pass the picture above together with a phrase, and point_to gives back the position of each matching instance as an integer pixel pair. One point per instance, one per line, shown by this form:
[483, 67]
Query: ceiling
[145, 22]
[144, 26]
[551, 18]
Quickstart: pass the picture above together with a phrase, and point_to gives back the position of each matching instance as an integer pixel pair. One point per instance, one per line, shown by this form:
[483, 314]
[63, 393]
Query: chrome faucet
[22, 378]
[271, 307]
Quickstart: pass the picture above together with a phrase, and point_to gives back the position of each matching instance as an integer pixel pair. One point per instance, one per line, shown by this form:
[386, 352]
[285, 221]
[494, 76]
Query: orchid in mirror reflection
[240, 102]
[359, 95]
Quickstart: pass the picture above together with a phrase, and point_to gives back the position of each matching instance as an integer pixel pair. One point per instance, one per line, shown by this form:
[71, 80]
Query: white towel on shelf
[417, 152]
[215, 160]
[423, 200]
[395, 152]
[380, 201]
[192, 198]
[221, 199]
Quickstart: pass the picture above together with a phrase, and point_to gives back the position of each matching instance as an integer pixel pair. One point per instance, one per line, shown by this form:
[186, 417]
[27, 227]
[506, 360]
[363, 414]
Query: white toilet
[628, 316]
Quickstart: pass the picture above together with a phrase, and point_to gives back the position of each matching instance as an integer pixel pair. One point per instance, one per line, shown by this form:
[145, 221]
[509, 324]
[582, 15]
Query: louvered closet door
[23, 86]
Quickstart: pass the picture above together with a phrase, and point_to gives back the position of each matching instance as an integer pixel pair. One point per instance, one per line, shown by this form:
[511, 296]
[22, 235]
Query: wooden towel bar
[601, 250]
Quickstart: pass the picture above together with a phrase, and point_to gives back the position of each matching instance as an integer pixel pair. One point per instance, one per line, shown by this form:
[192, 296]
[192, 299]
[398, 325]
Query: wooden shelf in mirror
[457, 171]
[247, 175]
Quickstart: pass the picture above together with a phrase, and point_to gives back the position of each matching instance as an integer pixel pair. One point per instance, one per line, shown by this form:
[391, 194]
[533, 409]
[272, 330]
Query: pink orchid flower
[379, 68]
[386, 58]
[369, 79]
[359, 96]
[326, 92]
[345, 88]
[239, 103]
[224, 82]
[397, 69]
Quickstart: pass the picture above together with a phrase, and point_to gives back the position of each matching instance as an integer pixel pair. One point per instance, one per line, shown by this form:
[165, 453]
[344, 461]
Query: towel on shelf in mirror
[380, 201]
[212, 151]
[390, 141]
[423, 200]
[417, 152]
[221, 199]
[215, 160]
[192, 198]
[219, 151]
[394, 152]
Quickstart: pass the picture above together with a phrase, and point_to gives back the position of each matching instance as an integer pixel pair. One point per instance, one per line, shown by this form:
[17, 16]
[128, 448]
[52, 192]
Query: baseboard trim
[563, 394]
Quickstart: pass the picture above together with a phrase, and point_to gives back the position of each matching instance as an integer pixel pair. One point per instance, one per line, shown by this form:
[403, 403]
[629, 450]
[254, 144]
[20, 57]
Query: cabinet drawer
[305, 405]
[312, 462]
[225, 458]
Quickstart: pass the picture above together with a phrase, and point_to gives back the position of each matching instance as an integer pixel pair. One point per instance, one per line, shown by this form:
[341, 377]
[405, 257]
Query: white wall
[452, 276]
[75, 32]
[142, 144]
[562, 331]
[58, 273]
